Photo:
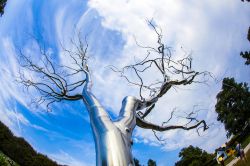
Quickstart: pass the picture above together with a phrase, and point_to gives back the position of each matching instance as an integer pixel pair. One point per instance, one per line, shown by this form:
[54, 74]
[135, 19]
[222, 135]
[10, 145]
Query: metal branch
[159, 59]
[148, 110]
[171, 73]
[147, 125]
[54, 82]
[163, 141]
[171, 116]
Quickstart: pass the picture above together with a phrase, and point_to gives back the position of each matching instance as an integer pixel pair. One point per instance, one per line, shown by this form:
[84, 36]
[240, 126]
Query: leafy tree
[193, 156]
[2, 5]
[233, 103]
[137, 162]
[246, 55]
[151, 162]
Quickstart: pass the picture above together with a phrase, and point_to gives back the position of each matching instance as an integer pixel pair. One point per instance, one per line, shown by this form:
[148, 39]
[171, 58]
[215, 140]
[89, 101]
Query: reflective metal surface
[112, 138]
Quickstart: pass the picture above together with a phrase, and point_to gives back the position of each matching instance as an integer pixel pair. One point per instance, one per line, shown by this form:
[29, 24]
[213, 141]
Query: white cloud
[9, 89]
[8, 71]
[12, 92]
[206, 27]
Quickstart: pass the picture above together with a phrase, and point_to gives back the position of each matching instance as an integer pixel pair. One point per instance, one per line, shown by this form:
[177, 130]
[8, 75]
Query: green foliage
[6, 161]
[2, 5]
[137, 162]
[194, 156]
[20, 151]
[3, 161]
[246, 55]
[233, 103]
[151, 162]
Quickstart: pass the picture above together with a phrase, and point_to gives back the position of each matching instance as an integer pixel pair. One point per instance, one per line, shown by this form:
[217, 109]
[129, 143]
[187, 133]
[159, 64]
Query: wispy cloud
[64, 158]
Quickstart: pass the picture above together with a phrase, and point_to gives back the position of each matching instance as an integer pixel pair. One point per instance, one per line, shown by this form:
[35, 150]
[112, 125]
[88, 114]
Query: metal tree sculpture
[113, 137]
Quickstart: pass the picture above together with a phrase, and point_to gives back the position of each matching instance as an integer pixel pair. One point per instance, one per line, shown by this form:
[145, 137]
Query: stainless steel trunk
[113, 148]
[112, 138]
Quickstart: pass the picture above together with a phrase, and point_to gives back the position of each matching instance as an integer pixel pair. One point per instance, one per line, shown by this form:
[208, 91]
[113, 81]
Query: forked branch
[171, 72]
[56, 82]
[147, 125]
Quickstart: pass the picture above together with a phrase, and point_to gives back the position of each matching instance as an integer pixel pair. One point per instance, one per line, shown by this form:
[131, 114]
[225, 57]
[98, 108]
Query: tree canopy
[137, 162]
[246, 55]
[193, 156]
[233, 103]
[2, 5]
[151, 162]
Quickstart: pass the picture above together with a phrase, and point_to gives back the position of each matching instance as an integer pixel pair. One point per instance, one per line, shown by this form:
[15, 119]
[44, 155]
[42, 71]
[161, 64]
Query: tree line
[20, 151]
[149, 163]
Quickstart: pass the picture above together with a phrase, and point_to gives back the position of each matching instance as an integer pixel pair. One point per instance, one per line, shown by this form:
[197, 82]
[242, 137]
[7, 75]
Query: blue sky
[215, 32]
